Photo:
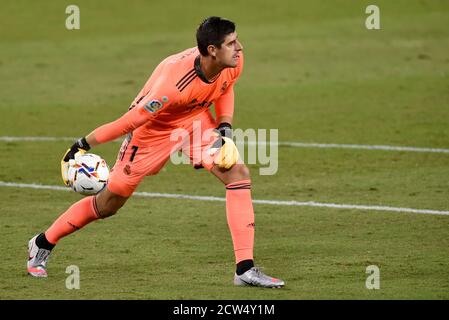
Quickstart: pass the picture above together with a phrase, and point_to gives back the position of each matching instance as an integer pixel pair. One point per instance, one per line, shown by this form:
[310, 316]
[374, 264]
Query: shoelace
[42, 256]
[259, 272]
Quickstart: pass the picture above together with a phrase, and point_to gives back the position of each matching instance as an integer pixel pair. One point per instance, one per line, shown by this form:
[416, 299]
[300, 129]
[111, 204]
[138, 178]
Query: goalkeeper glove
[225, 150]
[80, 146]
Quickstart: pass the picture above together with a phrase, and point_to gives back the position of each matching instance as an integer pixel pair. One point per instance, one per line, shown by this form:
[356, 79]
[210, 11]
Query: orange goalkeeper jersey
[176, 93]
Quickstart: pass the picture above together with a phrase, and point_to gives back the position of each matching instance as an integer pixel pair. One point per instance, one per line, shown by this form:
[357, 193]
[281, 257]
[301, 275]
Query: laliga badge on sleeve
[153, 105]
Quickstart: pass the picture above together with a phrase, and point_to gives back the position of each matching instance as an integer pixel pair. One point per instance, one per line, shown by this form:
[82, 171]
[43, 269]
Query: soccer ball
[88, 174]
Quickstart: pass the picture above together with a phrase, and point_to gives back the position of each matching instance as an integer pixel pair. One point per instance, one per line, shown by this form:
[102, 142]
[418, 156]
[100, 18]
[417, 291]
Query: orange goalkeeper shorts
[139, 157]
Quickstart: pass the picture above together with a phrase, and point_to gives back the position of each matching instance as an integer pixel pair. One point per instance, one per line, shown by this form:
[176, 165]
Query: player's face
[229, 53]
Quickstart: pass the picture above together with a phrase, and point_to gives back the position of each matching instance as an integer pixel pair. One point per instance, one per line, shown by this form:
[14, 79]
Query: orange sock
[240, 215]
[76, 217]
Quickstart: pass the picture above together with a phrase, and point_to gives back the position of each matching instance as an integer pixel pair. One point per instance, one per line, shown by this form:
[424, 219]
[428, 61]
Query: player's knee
[244, 172]
[240, 172]
[108, 204]
[107, 211]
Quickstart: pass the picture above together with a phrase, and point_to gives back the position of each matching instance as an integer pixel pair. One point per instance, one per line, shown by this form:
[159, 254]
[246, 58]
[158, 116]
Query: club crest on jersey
[153, 106]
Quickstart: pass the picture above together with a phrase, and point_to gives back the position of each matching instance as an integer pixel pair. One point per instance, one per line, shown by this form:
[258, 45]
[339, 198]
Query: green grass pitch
[312, 71]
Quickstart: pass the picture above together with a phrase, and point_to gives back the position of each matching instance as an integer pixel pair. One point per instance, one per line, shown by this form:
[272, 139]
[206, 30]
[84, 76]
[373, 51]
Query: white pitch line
[353, 146]
[282, 143]
[268, 202]
[19, 139]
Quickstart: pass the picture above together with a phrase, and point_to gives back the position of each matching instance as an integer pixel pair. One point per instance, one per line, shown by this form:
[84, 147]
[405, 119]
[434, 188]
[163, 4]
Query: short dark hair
[213, 30]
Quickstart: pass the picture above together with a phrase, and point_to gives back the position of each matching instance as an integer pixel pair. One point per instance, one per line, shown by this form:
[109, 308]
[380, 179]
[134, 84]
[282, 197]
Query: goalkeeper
[177, 95]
